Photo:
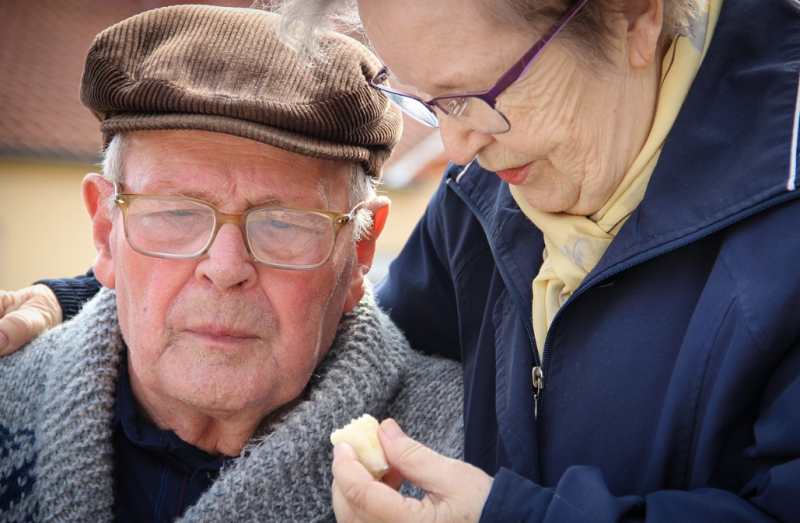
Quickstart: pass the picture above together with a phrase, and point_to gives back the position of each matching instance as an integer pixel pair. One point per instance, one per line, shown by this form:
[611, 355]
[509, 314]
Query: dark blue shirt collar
[157, 474]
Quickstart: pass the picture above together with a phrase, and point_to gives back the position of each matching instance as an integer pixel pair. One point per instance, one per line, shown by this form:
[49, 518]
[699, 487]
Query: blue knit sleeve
[72, 293]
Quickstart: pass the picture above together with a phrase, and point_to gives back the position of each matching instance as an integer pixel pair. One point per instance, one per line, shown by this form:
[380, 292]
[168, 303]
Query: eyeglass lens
[474, 113]
[289, 237]
[178, 228]
[470, 111]
[414, 108]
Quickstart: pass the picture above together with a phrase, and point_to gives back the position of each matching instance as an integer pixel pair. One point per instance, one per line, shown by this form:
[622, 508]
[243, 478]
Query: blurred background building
[49, 141]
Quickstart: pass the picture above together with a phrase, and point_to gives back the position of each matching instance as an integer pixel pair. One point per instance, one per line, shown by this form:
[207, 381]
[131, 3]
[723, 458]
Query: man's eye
[279, 225]
[181, 213]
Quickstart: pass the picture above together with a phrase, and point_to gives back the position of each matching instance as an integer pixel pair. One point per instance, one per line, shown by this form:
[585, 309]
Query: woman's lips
[515, 175]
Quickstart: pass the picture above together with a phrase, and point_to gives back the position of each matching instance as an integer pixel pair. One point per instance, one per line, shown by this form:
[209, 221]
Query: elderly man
[233, 223]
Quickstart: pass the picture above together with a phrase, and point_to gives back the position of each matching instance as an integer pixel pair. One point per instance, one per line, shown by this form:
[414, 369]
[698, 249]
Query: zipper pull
[537, 378]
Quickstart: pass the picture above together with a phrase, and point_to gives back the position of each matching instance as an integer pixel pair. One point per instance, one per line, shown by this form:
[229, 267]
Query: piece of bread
[362, 435]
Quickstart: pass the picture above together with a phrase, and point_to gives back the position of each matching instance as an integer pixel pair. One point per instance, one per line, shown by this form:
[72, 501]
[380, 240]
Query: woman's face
[573, 134]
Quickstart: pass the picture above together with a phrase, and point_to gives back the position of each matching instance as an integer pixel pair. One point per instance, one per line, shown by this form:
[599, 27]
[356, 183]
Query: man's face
[221, 333]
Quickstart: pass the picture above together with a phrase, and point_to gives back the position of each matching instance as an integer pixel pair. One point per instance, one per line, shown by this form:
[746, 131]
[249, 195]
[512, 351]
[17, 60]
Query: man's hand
[456, 490]
[25, 314]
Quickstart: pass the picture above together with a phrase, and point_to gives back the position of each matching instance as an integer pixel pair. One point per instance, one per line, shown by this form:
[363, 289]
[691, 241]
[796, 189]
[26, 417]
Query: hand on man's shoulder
[25, 314]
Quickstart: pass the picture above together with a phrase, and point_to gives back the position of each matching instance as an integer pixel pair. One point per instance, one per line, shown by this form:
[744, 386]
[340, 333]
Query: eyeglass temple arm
[345, 218]
[521, 67]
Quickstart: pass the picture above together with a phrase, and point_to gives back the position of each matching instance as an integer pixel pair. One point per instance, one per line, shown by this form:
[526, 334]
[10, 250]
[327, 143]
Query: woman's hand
[25, 314]
[456, 491]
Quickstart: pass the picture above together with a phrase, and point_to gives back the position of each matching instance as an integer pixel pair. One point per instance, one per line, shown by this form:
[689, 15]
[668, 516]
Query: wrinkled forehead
[231, 172]
[439, 46]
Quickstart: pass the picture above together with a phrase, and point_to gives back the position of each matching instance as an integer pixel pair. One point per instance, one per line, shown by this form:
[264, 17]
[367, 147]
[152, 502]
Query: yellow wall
[44, 230]
[406, 210]
[408, 204]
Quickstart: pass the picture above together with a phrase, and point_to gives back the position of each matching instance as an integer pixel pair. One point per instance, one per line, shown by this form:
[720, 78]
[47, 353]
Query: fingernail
[392, 429]
[3, 341]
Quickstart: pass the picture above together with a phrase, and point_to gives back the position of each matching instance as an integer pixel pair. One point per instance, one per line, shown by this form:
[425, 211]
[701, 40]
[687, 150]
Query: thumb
[420, 465]
[17, 328]
[25, 315]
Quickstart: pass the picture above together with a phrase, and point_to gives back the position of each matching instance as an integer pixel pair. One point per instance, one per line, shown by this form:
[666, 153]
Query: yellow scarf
[575, 244]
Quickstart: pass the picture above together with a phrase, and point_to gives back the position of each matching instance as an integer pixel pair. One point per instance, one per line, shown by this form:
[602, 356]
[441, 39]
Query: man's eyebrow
[269, 201]
[219, 200]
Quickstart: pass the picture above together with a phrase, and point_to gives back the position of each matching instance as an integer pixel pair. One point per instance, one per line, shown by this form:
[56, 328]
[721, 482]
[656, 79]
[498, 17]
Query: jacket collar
[732, 150]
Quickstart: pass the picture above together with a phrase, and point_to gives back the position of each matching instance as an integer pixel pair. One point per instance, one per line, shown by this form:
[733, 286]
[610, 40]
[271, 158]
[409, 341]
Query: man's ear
[365, 251]
[96, 194]
[645, 22]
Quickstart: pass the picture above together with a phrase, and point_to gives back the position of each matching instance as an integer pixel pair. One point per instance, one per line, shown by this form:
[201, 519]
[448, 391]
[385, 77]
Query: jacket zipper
[597, 280]
[537, 378]
[512, 289]
[539, 371]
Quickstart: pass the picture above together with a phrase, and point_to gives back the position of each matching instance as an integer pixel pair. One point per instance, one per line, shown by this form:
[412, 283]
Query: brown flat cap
[226, 70]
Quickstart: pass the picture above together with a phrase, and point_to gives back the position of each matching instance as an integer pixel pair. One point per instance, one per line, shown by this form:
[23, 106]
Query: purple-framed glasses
[475, 110]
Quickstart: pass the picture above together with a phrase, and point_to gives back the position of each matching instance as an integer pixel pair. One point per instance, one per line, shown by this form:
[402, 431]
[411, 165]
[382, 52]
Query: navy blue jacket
[672, 375]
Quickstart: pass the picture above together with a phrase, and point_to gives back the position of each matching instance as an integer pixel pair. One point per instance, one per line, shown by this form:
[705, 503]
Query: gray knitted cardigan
[57, 407]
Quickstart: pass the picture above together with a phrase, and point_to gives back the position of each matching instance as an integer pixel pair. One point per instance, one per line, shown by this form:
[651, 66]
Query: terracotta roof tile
[43, 45]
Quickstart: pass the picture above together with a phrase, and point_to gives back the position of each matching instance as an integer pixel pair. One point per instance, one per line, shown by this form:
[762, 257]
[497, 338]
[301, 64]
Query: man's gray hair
[362, 187]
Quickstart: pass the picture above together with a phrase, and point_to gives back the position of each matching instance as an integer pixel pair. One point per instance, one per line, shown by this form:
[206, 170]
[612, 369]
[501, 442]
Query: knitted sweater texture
[57, 408]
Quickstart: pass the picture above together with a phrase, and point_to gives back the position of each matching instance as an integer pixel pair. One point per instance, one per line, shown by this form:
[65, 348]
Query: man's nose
[227, 264]
[461, 143]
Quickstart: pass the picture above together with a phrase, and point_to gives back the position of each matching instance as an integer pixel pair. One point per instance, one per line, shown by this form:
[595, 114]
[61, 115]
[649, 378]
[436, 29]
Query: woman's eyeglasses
[477, 111]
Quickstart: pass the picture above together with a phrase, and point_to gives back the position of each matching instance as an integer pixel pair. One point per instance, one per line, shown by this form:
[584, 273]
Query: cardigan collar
[278, 475]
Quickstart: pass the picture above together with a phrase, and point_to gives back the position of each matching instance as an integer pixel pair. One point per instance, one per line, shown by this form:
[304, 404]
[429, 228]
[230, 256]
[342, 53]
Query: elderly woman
[613, 257]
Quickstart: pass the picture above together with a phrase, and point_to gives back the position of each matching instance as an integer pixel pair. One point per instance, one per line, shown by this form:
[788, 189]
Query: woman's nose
[461, 143]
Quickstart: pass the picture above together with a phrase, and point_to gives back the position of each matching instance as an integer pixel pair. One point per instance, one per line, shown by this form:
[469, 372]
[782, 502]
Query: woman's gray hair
[301, 18]
[589, 32]
[362, 187]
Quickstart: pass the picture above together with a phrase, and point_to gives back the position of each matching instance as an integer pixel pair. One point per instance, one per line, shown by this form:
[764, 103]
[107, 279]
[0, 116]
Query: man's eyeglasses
[475, 110]
[182, 228]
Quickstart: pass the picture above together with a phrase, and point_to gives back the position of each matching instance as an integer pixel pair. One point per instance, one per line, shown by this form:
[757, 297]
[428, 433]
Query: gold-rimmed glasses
[183, 228]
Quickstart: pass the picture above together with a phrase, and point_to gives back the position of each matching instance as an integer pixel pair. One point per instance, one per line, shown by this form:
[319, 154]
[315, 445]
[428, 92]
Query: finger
[368, 501]
[343, 452]
[6, 302]
[420, 465]
[454, 488]
[6, 306]
[341, 509]
[43, 298]
[19, 327]
[345, 459]
[25, 314]
[393, 478]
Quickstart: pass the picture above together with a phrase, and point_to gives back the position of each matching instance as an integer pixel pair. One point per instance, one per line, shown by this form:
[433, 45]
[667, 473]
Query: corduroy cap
[226, 70]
